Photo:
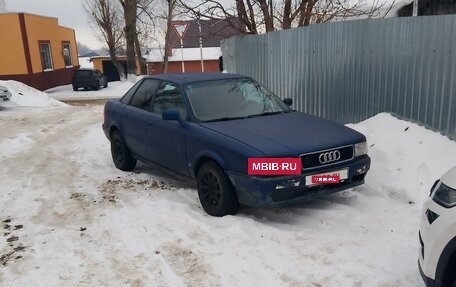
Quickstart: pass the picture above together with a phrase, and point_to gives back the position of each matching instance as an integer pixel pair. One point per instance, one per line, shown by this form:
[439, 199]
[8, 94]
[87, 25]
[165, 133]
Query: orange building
[36, 51]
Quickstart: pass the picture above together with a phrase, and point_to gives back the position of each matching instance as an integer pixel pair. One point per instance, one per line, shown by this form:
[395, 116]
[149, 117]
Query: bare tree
[266, 16]
[105, 15]
[145, 27]
[169, 27]
[130, 14]
[160, 14]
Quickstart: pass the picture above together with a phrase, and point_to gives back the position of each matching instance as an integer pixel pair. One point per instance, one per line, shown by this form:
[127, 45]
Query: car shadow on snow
[289, 214]
[294, 213]
[159, 173]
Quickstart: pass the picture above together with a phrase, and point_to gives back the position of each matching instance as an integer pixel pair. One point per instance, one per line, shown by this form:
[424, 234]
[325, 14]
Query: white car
[437, 258]
[5, 95]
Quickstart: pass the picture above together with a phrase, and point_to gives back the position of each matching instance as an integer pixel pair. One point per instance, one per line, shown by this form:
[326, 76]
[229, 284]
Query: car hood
[288, 134]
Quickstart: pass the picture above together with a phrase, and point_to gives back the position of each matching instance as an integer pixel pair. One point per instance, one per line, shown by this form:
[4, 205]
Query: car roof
[449, 178]
[183, 78]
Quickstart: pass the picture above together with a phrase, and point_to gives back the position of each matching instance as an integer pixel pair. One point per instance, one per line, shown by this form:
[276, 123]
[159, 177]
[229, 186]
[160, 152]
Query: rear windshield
[84, 73]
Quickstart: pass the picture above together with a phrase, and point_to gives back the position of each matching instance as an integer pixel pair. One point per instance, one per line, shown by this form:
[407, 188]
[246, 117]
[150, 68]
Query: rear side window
[144, 94]
[127, 97]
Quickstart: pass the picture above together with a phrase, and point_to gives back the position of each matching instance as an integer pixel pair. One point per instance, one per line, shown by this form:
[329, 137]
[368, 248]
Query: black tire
[75, 88]
[215, 191]
[121, 155]
[106, 85]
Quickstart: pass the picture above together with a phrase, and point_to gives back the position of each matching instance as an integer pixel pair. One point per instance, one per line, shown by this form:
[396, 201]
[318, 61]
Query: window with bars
[66, 51]
[46, 56]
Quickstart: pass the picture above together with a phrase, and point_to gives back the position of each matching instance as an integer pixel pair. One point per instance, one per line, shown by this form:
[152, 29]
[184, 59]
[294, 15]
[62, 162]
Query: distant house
[36, 50]
[187, 59]
[193, 58]
[429, 7]
[105, 65]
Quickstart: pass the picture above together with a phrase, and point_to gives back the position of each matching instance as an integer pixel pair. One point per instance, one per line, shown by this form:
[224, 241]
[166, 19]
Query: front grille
[312, 160]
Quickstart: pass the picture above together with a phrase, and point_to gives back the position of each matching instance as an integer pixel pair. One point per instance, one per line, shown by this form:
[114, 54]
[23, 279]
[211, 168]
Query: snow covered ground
[23, 95]
[71, 219]
[114, 90]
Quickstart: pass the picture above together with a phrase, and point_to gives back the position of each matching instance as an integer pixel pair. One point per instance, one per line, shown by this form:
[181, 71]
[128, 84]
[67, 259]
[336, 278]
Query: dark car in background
[89, 79]
[207, 126]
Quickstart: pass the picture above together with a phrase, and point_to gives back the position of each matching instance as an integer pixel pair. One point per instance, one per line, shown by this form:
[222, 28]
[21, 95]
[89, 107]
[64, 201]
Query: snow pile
[407, 158]
[11, 146]
[24, 95]
[115, 90]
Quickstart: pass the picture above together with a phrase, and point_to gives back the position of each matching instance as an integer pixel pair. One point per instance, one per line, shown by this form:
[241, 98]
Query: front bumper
[279, 191]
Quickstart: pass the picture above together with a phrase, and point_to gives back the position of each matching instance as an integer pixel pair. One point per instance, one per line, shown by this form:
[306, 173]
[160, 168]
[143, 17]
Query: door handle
[150, 123]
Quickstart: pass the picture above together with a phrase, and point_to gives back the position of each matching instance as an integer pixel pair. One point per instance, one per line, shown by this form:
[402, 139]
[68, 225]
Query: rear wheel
[121, 155]
[215, 191]
[75, 88]
[106, 84]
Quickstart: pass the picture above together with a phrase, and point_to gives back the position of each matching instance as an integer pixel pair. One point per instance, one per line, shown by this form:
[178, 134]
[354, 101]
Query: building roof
[429, 7]
[190, 54]
[212, 32]
[184, 78]
[36, 15]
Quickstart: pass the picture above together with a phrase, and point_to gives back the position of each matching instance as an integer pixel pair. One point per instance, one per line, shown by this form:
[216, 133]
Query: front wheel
[215, 191]
[121, 155]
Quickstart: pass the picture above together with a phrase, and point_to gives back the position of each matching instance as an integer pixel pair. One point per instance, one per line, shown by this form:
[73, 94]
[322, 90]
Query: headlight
[445, 195]
[360, 148]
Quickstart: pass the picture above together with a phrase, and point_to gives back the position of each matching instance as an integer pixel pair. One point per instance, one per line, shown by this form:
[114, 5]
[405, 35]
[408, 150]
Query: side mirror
[288, 101]
[171, 115]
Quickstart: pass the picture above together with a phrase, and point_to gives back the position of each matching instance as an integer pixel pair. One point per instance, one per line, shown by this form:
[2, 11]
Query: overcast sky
[70, 13]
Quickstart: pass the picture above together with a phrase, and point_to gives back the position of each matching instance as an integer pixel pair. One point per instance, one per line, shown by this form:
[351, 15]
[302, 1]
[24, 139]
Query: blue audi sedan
[240, 142]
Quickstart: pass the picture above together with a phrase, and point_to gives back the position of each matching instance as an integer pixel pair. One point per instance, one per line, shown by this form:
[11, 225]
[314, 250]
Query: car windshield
[232, 99]
[84, 73]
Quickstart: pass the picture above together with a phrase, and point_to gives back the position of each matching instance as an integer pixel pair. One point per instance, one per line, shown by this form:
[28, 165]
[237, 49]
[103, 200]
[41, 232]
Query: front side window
[66, 51]
[169, 98]
[144, 94]
[46, 56]
[232, 98]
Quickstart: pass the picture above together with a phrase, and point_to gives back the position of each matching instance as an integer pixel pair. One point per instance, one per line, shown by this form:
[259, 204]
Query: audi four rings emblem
[328, 157]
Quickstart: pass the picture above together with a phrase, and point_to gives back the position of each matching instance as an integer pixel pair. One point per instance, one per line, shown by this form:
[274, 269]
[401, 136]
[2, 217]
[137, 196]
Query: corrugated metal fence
[350, 71]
